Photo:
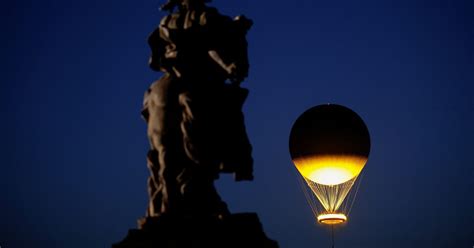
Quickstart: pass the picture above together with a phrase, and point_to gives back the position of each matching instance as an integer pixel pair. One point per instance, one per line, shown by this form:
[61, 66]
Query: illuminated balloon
[330, 145]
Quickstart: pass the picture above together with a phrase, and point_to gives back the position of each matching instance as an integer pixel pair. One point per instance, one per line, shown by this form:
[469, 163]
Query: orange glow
[332, 219]
[330, 169]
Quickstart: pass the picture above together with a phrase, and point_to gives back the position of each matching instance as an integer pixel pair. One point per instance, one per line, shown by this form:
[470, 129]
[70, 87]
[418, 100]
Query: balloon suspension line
[332, 231]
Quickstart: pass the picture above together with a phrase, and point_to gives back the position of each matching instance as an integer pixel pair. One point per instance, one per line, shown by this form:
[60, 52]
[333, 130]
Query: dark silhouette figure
[196, 131]
[195, 122]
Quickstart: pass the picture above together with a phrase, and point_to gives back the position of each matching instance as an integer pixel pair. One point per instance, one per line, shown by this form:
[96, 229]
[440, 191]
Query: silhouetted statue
[195, 122]
[196, 131]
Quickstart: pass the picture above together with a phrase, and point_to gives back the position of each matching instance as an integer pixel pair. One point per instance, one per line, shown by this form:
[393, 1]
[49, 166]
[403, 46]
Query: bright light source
[330, 169]
[332, 218]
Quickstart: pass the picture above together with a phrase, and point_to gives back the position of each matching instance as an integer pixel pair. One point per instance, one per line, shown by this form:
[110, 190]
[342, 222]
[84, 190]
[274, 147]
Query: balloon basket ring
[332, 218]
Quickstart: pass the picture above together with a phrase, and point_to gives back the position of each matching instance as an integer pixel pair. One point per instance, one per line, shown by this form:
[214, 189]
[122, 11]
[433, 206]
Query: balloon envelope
[329, 144]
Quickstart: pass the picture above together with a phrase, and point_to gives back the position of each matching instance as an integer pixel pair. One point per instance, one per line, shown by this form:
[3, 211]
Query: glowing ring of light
[332, 219]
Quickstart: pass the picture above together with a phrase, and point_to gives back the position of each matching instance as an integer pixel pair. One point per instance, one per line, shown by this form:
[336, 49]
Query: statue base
[233, 231]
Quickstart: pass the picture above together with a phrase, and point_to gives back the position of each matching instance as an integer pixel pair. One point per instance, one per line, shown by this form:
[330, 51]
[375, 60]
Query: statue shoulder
[212, 15]
[212, 11]
[170, 21]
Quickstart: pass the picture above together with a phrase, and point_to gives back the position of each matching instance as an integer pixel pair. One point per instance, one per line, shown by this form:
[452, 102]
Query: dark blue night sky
[73, 145]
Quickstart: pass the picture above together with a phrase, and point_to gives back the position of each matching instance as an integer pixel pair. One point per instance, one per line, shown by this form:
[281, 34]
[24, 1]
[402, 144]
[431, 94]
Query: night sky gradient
[73, 146]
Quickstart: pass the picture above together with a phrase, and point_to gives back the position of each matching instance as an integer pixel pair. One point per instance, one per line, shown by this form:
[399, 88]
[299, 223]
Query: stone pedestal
[234, 231]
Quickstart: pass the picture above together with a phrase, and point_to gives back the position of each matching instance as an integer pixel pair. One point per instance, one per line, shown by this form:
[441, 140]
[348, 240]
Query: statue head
[171, 4]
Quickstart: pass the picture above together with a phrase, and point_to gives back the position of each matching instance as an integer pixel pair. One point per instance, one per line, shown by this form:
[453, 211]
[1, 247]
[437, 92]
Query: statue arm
[227, 43]
[231, 68]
